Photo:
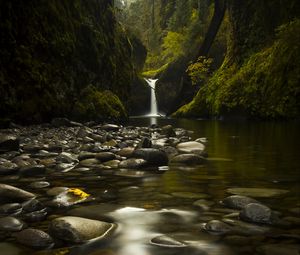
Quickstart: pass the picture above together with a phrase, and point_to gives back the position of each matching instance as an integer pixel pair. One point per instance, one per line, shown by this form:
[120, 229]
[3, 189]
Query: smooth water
[153, 108]
[148, 204]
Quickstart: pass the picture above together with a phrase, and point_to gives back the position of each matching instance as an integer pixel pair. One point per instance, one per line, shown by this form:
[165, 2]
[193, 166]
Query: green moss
[155, 73]
[267, 85]
[98, 105]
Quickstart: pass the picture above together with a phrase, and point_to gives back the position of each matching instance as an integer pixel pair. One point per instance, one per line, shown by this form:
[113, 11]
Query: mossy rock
[94, 104]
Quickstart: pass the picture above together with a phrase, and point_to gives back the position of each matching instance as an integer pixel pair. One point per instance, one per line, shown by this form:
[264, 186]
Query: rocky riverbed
[69, 188]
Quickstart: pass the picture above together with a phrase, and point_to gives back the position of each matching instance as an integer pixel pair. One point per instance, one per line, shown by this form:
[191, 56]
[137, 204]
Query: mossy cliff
[51, 50]
[260, 75]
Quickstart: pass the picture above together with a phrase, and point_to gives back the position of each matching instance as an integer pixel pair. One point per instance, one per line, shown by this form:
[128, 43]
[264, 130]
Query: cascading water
[153, 109]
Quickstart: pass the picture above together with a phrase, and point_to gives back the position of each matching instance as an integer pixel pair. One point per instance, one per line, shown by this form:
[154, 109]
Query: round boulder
[188, 159]
[191, 147]
[256, 213]
[79, 230]
[34, 238]
[238, 202]
[153, 157]
[12, 194]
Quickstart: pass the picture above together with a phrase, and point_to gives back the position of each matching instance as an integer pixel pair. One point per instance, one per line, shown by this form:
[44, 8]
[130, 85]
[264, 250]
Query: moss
[267, 85]
[155, 73]
[98, 105]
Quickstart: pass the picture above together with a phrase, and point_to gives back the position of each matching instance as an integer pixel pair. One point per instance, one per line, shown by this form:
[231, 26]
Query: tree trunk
[216, 21]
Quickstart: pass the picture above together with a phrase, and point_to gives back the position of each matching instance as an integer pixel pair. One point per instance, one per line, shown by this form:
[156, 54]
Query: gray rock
[133, 163]
[79, 230]
[152, 156]
[66, 157]
[238, 202]
[126, 152]
[112, 163]
[56, 191]
[10, 193]
[110, 127]
[34, 238]
[35, 216]
[13, 208]
[68, 198]
[86, 155]
[9, 143]
[168, 130]
[39, 185]
[188, 159]
[145, 143]
[8, 167]
[33, 170]
[167, 241]
[218, 227]
[90, 162]
[105, 156]
[11, 224]
[244, 228]
[256, 213]
[32, 205]
[191, 147]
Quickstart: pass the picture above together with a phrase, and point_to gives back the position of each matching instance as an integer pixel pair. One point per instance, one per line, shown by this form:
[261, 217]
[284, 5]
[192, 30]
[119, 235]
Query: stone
[256, 213]
[11, 224]
[8, 167]
[238, 202]
[145, 143]
[12, 194]
[13, 208]
[167, 241]
[105, 156]
[79, 230]
[33, 170]
[191, 147]
[247, 229]
[9, 143]
[218, 227]
[39, 185]
[56, 191]
[153, 157]
[188, 159]
[189, 195]
[10, 249]
[112, 163]
[66, 157]
[110, 127]
[126, 152]
[168, 130]
[90, 162]
[257, 192]
[111, 143]
[133, 163]
[32, 205]
[86, 155]
[34, 238]
[35, 216]
[69, 198]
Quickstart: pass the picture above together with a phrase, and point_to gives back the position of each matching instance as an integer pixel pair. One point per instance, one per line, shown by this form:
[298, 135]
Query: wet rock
[90, 162]
[66, 157]
[79, 230]
[35, 216]
[168, 130]
[153, 157]
[33, 170]
[112, 163]
[32, 205]
[256, 213]
[13, 208]
[10, 249]
[34, 238]
[9, 143]
[126, 152]
[56, 191]
[167, 241]
[217, 227]
[39, 185]
[170, 151]
[70, 198]
[8, 167]
[238, 202]
[10, 193]
[145, 143]
[105, 156]
[86, 155]
[295, 221]
[188, 159]
[110, 127]
[257, 192]
[111, 143]
[279, 249]
[133, 163]
[203, 205]
[191, 147]
[248, 229]
[11, 224]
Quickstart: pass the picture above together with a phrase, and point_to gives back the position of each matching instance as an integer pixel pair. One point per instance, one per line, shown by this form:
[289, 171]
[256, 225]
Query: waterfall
[153, 109]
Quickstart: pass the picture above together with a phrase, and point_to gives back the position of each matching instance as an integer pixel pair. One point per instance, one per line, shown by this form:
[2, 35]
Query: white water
[153, 110]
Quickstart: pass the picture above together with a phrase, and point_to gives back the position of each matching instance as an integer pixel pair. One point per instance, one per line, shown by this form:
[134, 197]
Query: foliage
[155, 73]
[267, 85]
[98, 105]
[78, 192]
[50, 50]
[200, 70]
